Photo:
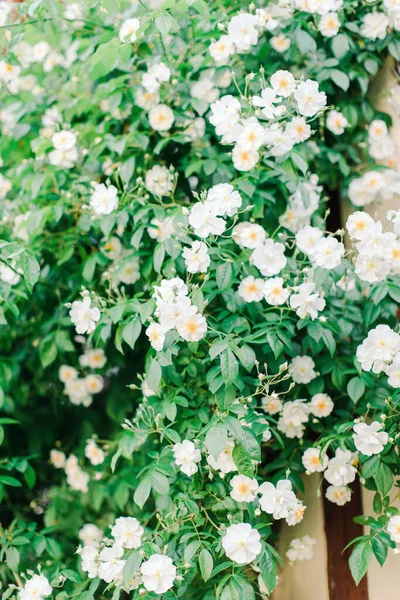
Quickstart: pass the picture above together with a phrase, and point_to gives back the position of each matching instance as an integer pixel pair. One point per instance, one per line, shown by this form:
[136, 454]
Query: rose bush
[182, 337]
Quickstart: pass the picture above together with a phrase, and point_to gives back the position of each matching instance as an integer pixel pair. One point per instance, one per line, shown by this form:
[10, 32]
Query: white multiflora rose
[369, 439]
[94, 453]
[104, 199]
[111, 564]
[127, 532]
[158, 573]
[306, 302]
[83, 316]
[64, 140]
[340, 470]
[187, 456]
[90, 535]
[301, 549]
[244, 489]
[204, 220]
[321, 405]
[308, 97]
[197, 259]
[313, 461]
[393, 528]
[274, 291]
[223, 199]
[374, 26]
[90, 559]
[336, 122]
[243, 32]
[277, 501]
[241, 543]
[251, 289]
[161, 117]
[36, 588]
[301, 369]
[159, 181]
[338, 494]
[128, 30]
[269, 257]
[224, 463]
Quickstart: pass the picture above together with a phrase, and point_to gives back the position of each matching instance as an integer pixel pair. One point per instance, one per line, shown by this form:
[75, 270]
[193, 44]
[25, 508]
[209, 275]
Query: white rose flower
[274, 292]
[338, 494]
[374, 26]
[309, 99]
[161, 117]
[301, 549]
[277, 501]
[127, 532]
[269, 258]
[251, 289]
[224, 463]
[64, 140]
[241, 543]
[340, 470]
[104, 200]
[244, 489]
[283, 83]
[156, 335]
[159, 181]
[158, 573]
[90, 535]
[192, 328]
[222, 49]
[196, 258]
[36, 587]
[393, 528]
[305, 302]
[336, 122]
[329, 24]
[128, 30]
[242, 31]
[94, 453]
[57, 458]
[223, 199]
[204, 220]
[110, 564]
[187, 456]
[313, 461]
[369, 439]
[301, 369]
[83, 316]
[321, 405]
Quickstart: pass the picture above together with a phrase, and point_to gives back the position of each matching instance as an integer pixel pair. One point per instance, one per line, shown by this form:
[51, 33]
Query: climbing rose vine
[187, 333]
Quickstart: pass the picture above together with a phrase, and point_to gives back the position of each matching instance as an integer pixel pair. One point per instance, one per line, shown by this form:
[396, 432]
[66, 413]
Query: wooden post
[340, 529]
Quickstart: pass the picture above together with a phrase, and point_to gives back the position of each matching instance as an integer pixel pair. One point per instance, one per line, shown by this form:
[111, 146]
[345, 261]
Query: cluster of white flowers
[77, 479]
[295, 413]
[36, 588]
[375, 24]
[380, 144]
[301, 549]
[378, 250]
[206, 217]
[65, 153]
[284, 96]
[374, 185]
[80, 390]
[175, 310]
[157, 574]
[83, 315]
[242, 543]
[323, 251]
[380, 352]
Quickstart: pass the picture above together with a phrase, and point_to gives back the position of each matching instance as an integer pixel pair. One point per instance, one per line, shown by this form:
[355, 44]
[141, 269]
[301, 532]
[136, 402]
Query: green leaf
[229, 366]
[12, 558]
[131, 567]
[340, 45]
[383, 479]
[242, 460]
[305, 42]
[206, 564]
[216, 439]
[340, 78]
[329, 341]
[31, 270]
[142, 492]
[131, 332]
[380, 550]
[224, 275]
[359, 560]
[355, 388]
[153, 376]
[47, 351]
[127, 169]
[11, 481]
